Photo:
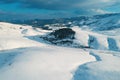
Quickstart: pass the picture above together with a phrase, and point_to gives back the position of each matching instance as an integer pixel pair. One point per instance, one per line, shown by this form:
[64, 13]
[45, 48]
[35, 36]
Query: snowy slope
[33, 60]
[101, 22]
[43, 63]
[105, 68]
[103, 40]
[12, 36]
[107, 23]
[24, 55]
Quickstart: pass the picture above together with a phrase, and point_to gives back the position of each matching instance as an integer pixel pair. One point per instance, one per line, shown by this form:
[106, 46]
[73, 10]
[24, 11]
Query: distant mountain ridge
[103, 22]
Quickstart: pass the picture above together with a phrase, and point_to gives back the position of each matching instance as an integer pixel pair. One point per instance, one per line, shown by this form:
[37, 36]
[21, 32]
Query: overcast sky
[28, 9]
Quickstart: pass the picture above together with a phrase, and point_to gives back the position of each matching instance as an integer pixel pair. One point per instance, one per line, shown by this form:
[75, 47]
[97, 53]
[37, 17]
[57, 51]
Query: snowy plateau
[29, 53]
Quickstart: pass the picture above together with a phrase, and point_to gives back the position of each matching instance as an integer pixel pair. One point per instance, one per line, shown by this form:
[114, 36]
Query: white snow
[11, 36]
[84, 37]
[23, 56]
[106, 67]
[45, 64]
[41, 62]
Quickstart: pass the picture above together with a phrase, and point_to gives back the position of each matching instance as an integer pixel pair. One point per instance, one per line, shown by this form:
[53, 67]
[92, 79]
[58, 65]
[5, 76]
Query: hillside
[95, 23]
[62, 53]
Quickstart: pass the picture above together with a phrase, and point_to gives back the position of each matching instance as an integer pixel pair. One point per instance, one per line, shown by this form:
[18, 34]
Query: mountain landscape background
[59, 40]
[79, 48]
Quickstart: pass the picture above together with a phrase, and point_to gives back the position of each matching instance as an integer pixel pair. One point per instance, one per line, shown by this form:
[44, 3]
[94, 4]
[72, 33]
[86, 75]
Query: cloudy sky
[29, 9]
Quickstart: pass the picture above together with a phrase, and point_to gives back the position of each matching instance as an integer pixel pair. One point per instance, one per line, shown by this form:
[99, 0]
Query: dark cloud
[62, 4]
[7, 1]
[6, 16]
[58, 8]
[44, 4]
[2, 12]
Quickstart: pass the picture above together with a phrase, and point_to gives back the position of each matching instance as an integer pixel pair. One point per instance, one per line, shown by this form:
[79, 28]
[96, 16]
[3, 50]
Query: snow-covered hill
[95, 23]
[13, 36]
[101, 40]
[28, 53]
[102, 22]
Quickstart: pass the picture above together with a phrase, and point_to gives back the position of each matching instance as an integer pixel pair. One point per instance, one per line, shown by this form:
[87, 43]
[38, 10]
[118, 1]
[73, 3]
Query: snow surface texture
[24, 56]
[12, 36]
[105, 68]
[45, 64]
[101, 22]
